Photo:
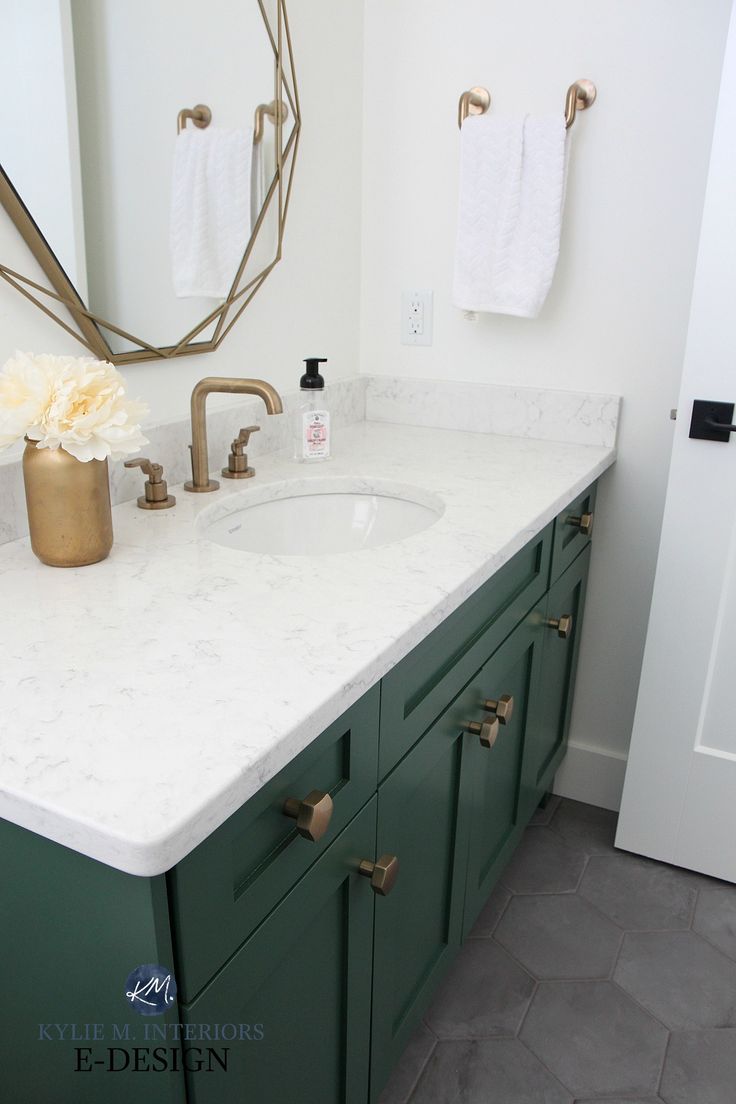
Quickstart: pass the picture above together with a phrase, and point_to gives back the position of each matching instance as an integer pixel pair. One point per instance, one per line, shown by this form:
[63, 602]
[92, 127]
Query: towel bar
[580, 95]
[200, 115]
[475, 101]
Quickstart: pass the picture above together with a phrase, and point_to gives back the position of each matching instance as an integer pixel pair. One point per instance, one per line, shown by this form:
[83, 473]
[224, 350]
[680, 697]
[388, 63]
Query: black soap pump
[312, 418]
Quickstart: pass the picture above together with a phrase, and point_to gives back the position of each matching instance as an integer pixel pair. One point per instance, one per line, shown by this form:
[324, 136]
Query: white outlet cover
[409, 302]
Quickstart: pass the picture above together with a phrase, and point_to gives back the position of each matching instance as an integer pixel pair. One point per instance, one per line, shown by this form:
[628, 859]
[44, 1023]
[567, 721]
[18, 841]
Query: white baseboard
[593, 775]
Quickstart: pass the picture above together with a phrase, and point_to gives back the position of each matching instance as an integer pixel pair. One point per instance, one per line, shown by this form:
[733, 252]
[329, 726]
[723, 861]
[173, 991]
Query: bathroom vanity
[304, 778]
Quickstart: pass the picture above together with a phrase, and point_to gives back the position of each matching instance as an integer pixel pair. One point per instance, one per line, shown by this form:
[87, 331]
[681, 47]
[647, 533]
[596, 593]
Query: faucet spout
[222, 385]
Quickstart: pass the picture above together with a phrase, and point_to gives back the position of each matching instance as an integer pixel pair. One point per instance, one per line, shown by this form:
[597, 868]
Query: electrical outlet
[416, 318]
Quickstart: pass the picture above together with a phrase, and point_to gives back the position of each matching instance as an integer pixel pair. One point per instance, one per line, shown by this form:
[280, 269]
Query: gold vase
[68, 501]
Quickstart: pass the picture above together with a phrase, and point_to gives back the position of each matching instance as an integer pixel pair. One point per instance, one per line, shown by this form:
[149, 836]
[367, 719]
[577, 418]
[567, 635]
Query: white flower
[76, 403]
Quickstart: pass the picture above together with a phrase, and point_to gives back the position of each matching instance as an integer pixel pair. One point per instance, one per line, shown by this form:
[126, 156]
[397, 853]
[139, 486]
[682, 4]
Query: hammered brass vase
[68, 501]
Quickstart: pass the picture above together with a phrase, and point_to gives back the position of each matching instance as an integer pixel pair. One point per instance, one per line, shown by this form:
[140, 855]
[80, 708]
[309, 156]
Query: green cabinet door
[494, 773]
[418, 926]
[300, 985]
[548, 726]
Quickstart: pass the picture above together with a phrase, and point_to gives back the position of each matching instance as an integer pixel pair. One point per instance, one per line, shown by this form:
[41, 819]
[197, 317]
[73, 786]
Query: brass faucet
[223, 385]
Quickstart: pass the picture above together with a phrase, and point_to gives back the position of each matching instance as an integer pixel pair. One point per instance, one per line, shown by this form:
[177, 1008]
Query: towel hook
[200, 115]
[580, 96]
[475, 101]
[276, 110]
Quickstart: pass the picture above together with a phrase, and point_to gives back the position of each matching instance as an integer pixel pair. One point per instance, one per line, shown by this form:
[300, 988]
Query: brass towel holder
[201, 115]
[580, 95]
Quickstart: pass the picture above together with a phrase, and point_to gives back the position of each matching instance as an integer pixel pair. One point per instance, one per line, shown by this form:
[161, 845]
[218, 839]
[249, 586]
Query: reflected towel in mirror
[210, 209]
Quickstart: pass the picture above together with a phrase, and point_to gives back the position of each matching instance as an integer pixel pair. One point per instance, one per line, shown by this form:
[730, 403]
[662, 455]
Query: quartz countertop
[145, 698]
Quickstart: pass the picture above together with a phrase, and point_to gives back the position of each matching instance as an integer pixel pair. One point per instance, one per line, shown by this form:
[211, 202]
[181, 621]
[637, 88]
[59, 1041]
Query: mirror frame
[86, 324]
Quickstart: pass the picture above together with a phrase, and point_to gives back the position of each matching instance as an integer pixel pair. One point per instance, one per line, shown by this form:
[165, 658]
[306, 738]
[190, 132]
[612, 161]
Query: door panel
[494, 774]
[422, 818]
[301, 983]
[546, 736]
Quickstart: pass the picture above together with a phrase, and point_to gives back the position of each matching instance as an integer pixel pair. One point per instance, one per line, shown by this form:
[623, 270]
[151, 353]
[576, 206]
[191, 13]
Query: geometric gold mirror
[147, 163]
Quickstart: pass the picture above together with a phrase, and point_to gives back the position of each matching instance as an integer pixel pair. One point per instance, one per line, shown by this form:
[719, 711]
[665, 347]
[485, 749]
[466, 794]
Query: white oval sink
[313, 517]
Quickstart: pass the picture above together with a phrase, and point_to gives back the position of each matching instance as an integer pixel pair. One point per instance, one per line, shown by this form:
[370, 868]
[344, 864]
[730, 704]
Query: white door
[679, 800]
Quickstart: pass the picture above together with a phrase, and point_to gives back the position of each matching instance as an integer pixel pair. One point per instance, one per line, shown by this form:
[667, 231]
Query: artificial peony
[75, 403]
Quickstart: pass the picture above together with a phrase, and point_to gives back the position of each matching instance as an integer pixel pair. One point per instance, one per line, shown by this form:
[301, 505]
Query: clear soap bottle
[312, 417]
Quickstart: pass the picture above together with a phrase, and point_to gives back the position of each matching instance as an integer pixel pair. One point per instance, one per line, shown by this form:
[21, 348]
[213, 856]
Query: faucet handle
[156, 495]
[237, 461]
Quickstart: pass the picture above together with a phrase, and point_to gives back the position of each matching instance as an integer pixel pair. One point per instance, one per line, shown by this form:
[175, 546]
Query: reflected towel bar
[272, 111]
[476, 101]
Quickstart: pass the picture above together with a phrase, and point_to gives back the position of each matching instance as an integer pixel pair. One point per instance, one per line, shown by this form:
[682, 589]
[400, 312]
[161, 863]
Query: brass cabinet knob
[503, 708]
[382, 873]
[584, 523]
[312, 815]
[563, 625]
[487, 730]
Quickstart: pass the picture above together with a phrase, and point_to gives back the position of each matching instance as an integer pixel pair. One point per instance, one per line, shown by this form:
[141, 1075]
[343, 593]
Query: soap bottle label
[316, 435]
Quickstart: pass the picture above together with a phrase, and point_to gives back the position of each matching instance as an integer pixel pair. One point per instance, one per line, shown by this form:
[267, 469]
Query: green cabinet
[418, 926]
[278, 935]
[300, 985]
[558, 624]
[494, 773]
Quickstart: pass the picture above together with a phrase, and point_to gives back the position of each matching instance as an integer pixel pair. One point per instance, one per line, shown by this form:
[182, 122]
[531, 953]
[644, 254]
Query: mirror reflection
[132, 142]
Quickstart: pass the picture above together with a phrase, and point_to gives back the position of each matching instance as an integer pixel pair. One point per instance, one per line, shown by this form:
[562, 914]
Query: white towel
[512, 186]
[210, 209]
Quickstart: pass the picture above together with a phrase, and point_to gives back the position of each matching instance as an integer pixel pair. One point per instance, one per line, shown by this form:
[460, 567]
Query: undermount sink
[313, 517]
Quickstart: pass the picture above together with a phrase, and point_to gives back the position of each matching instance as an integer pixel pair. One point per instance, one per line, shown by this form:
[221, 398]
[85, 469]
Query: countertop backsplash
[549, 415]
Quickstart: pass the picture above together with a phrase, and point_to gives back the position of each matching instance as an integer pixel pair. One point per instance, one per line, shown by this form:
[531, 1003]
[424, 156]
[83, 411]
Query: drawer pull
[382, 873]
[503, 708]
[312, 815]
[584, 523]
[563, 625]
[487, 730]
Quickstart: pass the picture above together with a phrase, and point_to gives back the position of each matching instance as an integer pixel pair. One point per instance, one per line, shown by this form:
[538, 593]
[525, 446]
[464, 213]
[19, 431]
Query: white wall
[616, 317]
[309, 305]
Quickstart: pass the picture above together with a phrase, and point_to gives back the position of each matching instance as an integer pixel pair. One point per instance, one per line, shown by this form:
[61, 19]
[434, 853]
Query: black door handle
[712, 421]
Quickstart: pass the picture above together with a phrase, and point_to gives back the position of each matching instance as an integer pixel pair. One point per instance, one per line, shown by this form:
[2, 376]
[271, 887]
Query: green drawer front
[223, 890]
[419, 688]
[569, 539]
[298, 990]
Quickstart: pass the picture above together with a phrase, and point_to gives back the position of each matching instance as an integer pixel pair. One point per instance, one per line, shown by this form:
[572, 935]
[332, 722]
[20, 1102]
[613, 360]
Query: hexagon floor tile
[543, 863]
[483, 1070]
[485, 993]
[715, 918]
[680, 978]
[594, 1039]
[700, 1068]
[638, 894]
[490, 914]
[559, 936]
[586, 827]
[563, 901]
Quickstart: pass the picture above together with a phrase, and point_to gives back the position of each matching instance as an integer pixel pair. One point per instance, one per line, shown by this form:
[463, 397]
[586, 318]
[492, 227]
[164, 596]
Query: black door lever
[712, 421]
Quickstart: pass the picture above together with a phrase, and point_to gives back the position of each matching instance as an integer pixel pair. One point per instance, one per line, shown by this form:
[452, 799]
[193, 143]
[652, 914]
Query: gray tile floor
[591, 975]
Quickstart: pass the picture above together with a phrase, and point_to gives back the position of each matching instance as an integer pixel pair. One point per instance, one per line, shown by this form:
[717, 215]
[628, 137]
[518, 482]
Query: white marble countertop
[145, 698]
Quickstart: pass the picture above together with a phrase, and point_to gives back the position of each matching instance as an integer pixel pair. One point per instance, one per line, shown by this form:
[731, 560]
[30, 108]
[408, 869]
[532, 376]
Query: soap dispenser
[312, 418]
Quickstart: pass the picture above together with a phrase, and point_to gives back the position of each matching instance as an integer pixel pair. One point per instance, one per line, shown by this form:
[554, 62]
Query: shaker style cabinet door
[301, 986]
[421, 820]
[504, 690]
[558, 623]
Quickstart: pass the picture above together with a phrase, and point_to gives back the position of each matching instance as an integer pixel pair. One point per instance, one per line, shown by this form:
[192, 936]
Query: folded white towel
[512, 184]
[210, 209]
